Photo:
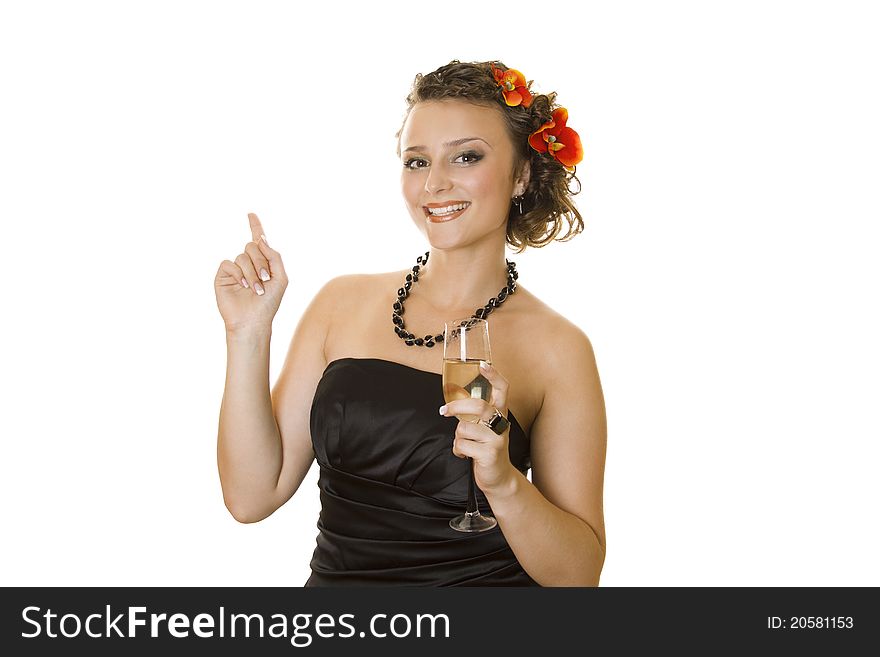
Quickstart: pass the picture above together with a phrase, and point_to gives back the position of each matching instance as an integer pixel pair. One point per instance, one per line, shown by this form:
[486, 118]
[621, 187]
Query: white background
[727, 276]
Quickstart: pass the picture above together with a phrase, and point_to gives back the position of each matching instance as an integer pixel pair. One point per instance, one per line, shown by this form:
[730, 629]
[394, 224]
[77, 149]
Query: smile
[444, 214]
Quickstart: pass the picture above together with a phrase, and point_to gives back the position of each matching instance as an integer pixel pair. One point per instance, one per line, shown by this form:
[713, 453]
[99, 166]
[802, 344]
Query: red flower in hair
[560, 141]
[513, 86]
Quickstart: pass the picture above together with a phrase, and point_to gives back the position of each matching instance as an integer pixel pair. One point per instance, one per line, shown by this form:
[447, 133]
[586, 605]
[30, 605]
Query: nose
[437, 180]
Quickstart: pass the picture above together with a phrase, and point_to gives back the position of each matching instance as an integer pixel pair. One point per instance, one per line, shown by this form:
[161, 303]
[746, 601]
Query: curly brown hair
[547, 206]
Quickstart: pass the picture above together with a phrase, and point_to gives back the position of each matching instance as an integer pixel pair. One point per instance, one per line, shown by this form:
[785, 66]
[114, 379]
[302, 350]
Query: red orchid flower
[560, 141]
[513, 86]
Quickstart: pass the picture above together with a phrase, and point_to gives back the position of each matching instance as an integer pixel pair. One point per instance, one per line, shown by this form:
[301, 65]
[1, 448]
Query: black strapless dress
[389, 484]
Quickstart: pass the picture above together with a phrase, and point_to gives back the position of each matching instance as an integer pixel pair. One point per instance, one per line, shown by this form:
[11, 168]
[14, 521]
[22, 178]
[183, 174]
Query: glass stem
[472, 493]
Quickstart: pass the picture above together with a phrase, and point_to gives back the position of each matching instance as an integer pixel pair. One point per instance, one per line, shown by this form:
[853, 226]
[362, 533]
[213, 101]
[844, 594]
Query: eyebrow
[448, 144]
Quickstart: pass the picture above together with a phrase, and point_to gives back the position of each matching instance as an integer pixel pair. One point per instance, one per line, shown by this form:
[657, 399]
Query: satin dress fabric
[389, 484]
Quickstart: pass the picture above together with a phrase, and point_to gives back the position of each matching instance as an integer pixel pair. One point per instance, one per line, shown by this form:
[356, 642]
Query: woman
[485, 163]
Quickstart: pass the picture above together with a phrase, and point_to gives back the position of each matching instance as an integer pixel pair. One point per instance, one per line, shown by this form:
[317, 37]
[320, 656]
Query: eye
[473, 155]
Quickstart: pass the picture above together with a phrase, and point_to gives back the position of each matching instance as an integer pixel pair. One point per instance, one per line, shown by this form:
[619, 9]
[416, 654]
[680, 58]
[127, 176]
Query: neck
[461, 280]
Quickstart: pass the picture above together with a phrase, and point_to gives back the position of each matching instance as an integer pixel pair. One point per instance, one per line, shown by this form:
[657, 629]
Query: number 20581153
[809, 622]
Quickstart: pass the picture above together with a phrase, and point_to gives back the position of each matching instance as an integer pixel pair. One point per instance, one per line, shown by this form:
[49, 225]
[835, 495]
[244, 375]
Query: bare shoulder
[360, 289]
[352, 309]
[564, 372]
[568, 342]
[357, 284]
[347, 283]
[563, 344]
[569, 434]
[338, 294]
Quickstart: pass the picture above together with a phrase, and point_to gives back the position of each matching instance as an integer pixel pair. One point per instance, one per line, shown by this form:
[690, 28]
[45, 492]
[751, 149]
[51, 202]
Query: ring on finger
[498, 423]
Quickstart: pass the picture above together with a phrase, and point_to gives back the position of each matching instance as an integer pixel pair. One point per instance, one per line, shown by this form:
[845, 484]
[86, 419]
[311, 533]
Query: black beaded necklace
[429, 340]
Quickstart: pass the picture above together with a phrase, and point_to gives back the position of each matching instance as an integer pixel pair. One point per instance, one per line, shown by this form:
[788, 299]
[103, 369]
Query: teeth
[448, 209]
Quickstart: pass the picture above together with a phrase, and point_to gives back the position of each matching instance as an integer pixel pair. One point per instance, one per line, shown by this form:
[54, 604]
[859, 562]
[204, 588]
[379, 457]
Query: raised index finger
[256, 227]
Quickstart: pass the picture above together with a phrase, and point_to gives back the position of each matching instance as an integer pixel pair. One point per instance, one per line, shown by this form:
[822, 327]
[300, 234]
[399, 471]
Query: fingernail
[263, 237]
[244, 282]
[484, 366]
[258, 289]
[443, 410]
[264, 275]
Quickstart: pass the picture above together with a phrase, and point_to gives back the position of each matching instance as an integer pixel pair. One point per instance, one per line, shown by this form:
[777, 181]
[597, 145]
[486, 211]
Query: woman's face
[455, 153]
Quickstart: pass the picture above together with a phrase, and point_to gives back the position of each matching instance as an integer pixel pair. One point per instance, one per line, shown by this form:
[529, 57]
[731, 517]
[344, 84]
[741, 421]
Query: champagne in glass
[463, 379]
[465, 346]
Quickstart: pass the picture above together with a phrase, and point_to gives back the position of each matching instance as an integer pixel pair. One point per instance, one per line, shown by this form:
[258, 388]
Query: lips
[445, 217]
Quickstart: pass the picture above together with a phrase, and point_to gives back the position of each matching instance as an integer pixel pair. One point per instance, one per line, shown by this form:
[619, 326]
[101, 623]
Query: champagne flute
[465, 346]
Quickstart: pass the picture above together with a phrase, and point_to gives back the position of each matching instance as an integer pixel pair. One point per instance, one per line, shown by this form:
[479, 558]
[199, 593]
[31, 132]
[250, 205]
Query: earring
[518, 201]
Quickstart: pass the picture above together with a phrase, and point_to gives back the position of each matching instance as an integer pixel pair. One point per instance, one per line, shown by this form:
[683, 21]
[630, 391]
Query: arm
[264, 447]
[555, 524]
